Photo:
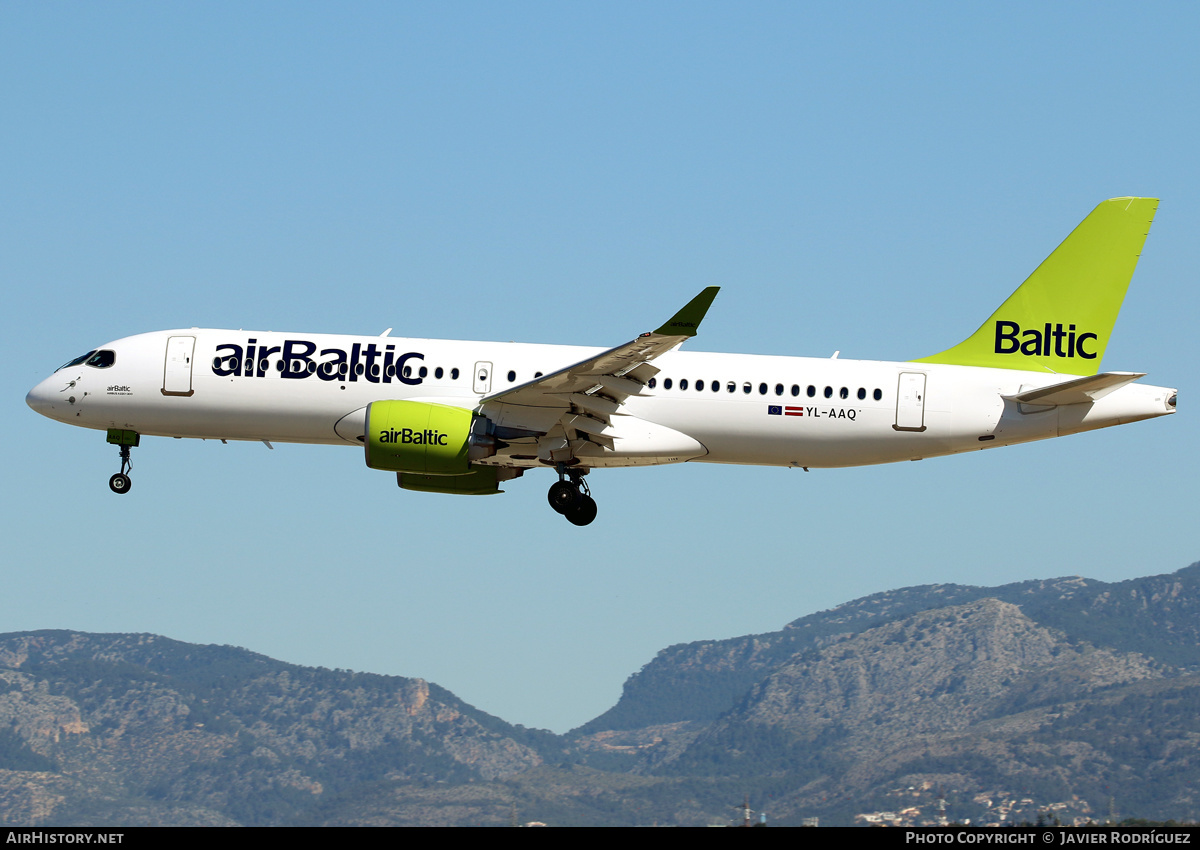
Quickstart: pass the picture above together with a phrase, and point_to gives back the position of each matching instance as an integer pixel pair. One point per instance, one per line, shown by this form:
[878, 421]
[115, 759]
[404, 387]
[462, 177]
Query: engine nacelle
[480, 481]
[426, 439]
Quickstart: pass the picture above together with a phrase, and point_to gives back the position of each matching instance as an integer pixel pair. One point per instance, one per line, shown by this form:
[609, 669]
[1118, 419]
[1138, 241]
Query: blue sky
[869, 178]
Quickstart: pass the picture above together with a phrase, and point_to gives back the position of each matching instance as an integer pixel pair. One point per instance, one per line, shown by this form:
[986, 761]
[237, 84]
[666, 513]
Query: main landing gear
[571, 497]
[120, 483]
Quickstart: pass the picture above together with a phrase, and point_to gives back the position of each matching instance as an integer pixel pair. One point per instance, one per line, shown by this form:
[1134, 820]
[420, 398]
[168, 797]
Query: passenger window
[795, 389]
[408, 371]
[812, 391]
[650, 383]
[844, 393]
[423, 372]
[700, 386]
[512, 376]
[716, 386]
[453, 373]
[861, 393]
[667, 384]
[762, 389]
[746, 388]
[779, 389]
[829, 392]
[683, 385]
[438, 372]
[878, 394]
[731, 387]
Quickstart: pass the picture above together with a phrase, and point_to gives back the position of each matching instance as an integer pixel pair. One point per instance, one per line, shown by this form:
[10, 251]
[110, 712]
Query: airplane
[464, 417]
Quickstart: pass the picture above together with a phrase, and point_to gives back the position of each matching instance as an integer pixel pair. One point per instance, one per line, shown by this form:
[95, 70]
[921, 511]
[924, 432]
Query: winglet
[687, 321]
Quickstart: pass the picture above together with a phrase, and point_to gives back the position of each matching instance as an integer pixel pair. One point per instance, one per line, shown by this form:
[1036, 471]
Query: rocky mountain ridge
[1158, 616]
[1069, 693]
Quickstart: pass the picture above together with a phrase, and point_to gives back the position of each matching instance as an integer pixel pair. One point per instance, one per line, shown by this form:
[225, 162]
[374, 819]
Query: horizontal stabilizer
[1078, 390]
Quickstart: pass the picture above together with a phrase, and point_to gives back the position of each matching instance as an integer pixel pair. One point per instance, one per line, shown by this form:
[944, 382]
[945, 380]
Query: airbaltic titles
[1039, 343]
[296, 361]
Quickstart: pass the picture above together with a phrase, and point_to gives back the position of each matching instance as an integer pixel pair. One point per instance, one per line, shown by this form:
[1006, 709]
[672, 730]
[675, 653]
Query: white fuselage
[736, 408]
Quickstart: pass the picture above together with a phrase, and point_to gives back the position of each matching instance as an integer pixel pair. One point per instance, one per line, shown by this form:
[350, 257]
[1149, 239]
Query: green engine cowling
[430, 447]
[418, 437]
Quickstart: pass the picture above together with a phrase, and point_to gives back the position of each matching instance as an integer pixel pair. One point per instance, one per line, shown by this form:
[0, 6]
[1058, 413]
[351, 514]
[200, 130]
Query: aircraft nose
[42, 398]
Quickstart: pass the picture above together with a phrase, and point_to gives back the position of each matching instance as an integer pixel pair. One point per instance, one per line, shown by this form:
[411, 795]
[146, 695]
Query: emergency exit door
[483, 377]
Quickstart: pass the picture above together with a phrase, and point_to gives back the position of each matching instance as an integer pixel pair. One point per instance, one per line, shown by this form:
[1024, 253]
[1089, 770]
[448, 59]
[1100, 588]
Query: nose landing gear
[572, 498]
[120, 483]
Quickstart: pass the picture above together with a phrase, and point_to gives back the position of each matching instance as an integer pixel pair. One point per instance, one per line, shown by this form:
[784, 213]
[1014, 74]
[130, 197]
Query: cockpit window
[76, 361]
[97, 359]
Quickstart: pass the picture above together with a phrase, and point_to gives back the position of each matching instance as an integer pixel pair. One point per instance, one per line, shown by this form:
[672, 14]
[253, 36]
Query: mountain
[1158, 616]
[970, 699]
[1068, 698]
[140, 729]
[1074, 687]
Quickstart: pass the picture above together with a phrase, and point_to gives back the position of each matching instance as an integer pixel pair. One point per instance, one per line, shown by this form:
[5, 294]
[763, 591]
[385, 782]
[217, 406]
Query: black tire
[563, 496]
[584, 512]
[120, 483]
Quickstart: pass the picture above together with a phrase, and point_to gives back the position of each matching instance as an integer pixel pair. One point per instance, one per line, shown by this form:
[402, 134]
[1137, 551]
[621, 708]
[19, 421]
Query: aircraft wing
[595, 388]
[619, 372]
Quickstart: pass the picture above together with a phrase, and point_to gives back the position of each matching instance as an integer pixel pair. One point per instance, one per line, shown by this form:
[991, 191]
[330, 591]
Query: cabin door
[910, 402]
[177, 373]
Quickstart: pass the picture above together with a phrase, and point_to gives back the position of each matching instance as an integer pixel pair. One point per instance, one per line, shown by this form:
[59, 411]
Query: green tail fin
[1061, 317]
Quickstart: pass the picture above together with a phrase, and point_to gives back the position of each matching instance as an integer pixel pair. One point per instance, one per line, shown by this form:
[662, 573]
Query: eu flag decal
[774, 410]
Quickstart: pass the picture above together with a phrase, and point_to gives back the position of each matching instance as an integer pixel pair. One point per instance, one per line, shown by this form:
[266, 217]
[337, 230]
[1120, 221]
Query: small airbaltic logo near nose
[428, 437]
[1051, 340]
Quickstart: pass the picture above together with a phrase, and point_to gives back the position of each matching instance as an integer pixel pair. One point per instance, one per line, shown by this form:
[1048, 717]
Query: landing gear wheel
[584, 512]
[120, 482]
[564, 496]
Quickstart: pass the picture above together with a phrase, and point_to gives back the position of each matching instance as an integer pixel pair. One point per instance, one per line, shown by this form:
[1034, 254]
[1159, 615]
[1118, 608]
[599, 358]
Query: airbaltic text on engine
[428, 437]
